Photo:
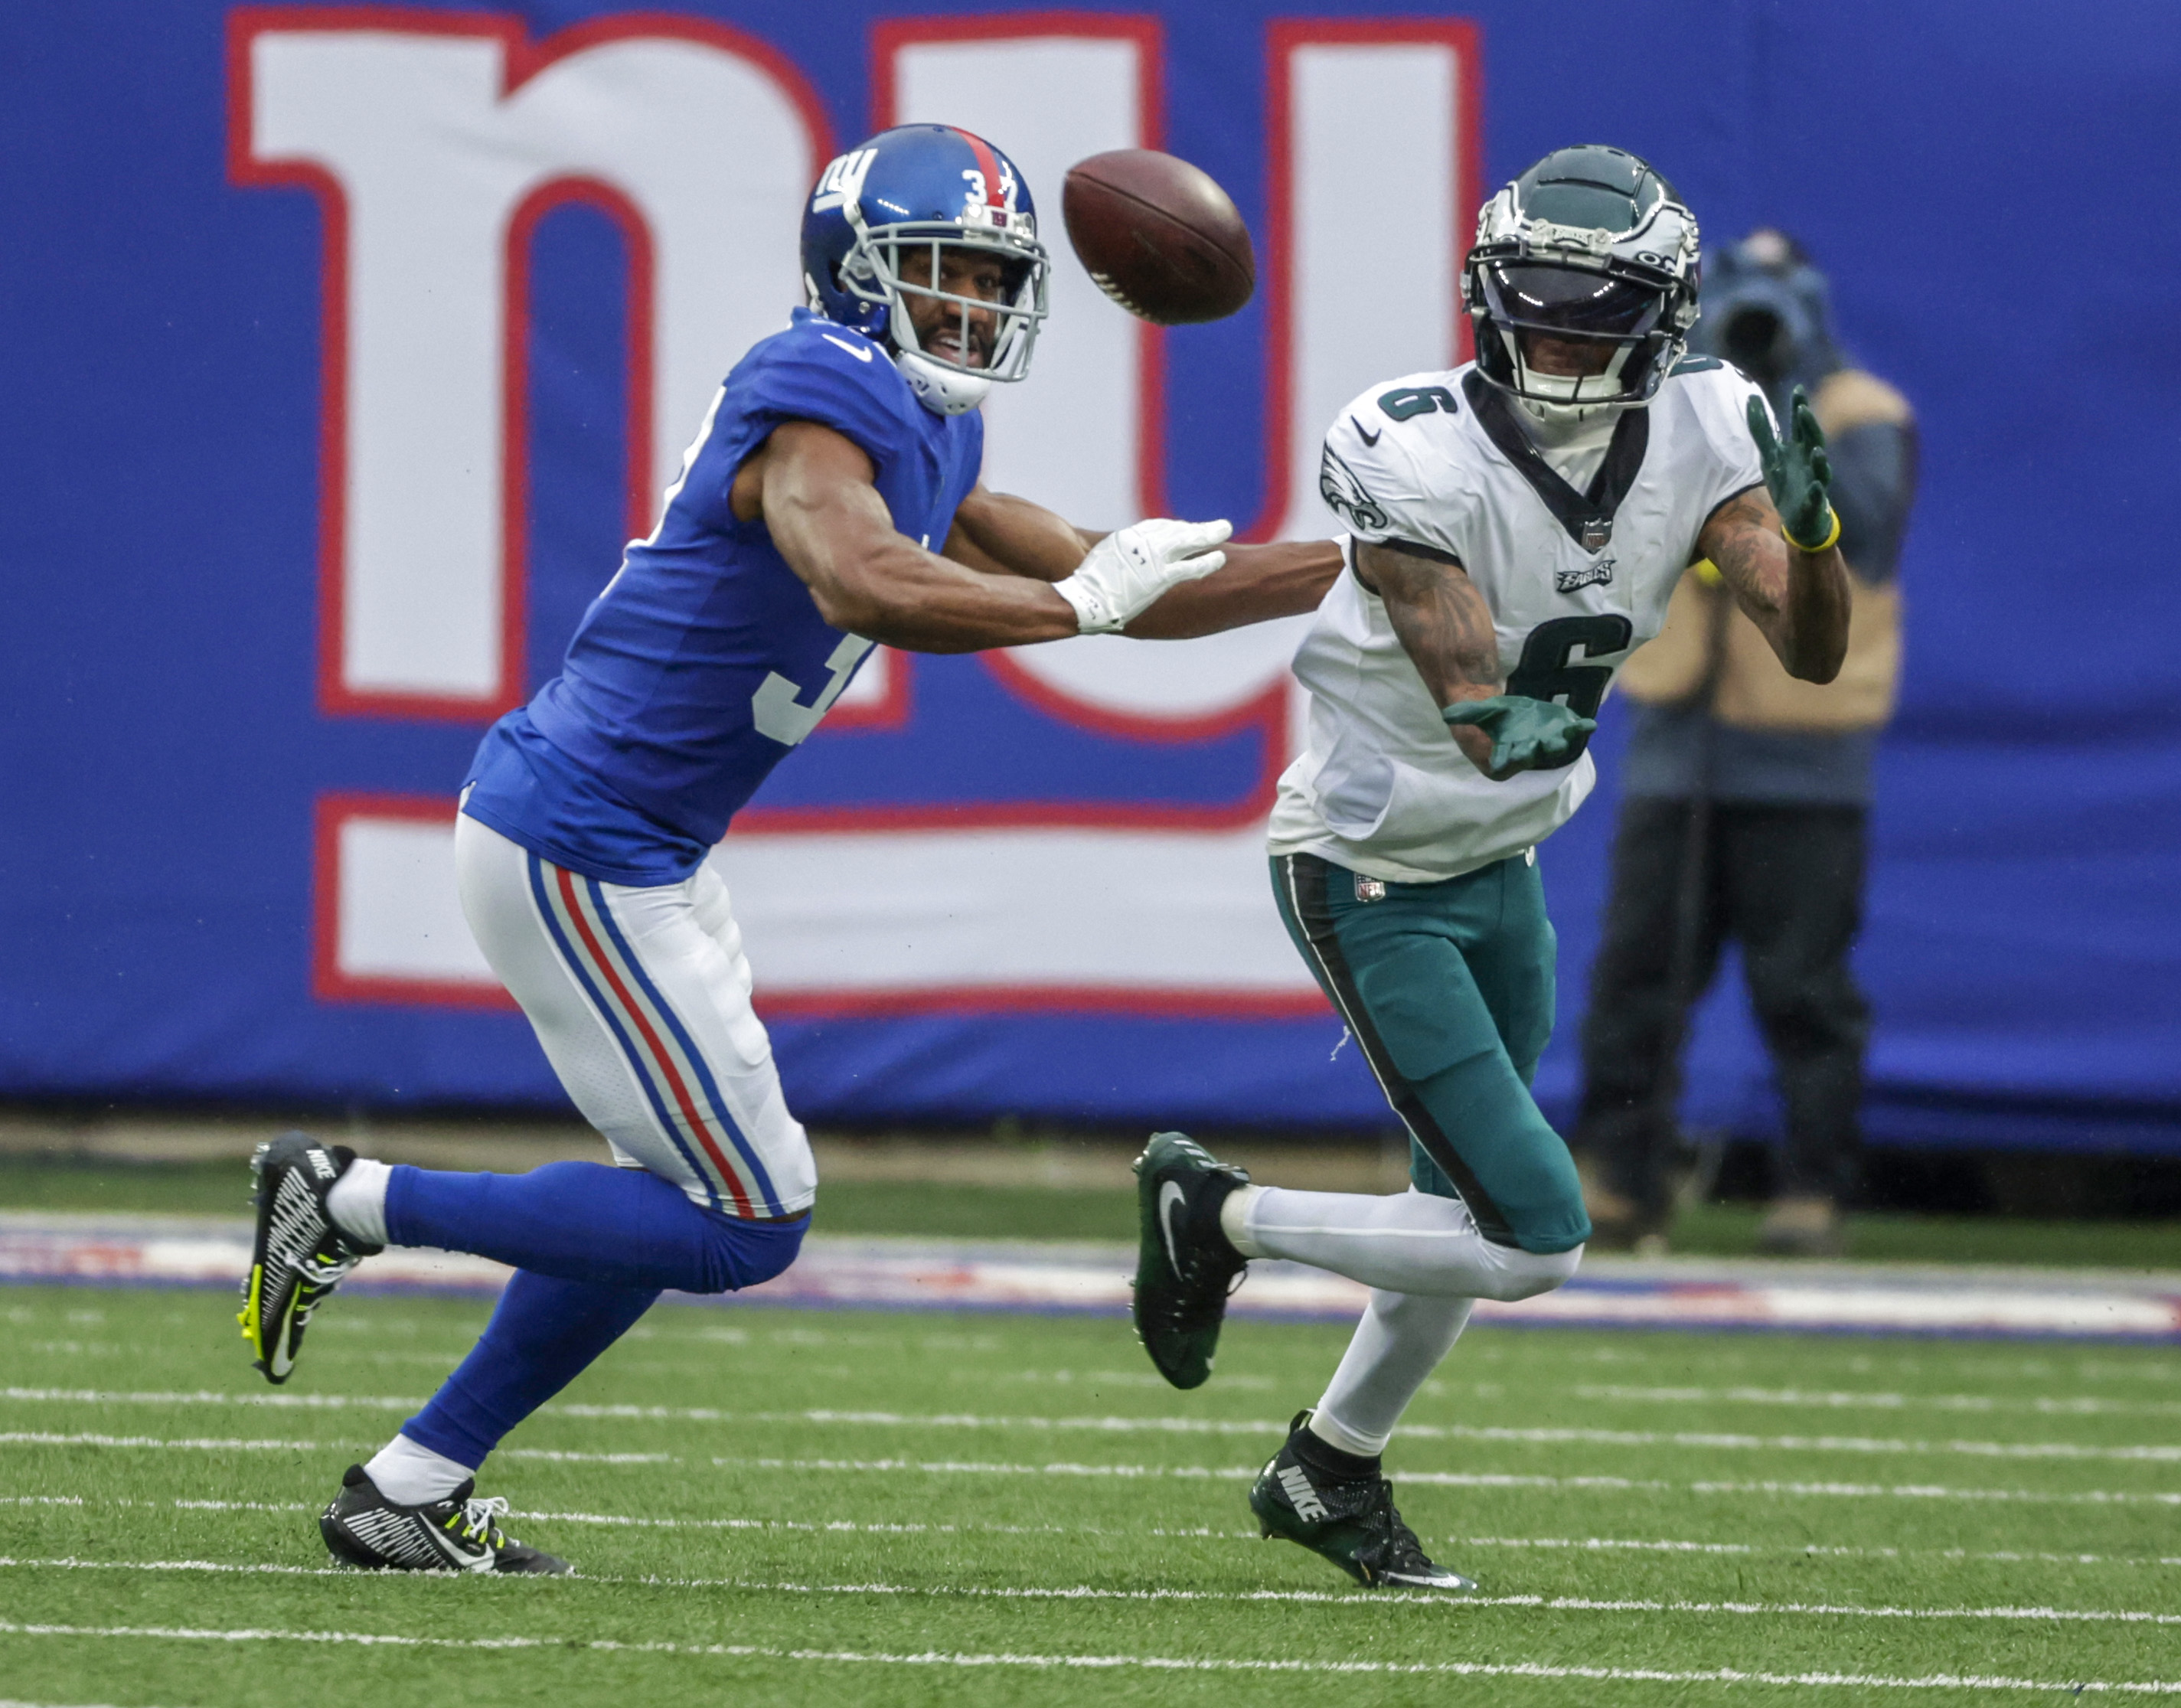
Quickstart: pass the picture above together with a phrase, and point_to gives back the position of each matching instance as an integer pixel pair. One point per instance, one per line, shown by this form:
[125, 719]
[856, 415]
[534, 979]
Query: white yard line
[1479, 1479]
[1457, 1669]
[1813, 1399]
[1105, 1379]
[1920, 1491]
[1810, 1550]
[849, 1526]
[1449, 1479]
[986, 1467]
[39, 1439]
[883, 1527]
[1354, 1598]
[10, 1702]
[633, 1522]
[211, 1396]
[1704, 1440]
[185, 1505]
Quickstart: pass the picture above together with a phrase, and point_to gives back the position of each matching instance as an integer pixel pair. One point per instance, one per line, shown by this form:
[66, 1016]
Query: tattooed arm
[1444, 626]
[1797, 598]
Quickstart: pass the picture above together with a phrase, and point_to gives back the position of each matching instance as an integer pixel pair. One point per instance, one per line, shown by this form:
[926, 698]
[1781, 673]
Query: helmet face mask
[1618, 288]
[880, 227]
[901, 265]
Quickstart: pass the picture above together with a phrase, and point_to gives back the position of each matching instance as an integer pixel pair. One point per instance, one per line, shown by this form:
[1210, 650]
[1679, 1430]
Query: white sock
[1234, 1220]
[1409, 1242]
[1399, 1342]
[410, 1475]
[357, 1204]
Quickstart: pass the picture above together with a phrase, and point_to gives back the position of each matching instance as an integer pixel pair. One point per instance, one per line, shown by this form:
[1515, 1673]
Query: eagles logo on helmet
[1590, 255]
[908, 195]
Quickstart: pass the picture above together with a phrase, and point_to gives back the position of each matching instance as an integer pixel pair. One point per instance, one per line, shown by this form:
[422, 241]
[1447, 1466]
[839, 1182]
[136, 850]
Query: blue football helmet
[911, 193]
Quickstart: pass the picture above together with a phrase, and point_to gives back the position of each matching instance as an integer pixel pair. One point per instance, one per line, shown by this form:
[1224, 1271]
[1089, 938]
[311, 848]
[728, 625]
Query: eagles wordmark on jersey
[1438, 463]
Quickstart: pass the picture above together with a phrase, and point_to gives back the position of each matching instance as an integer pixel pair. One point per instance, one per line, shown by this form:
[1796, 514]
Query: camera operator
[1747, 795]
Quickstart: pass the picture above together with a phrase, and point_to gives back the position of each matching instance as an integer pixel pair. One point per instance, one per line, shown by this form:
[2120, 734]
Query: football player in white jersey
[1516, 527]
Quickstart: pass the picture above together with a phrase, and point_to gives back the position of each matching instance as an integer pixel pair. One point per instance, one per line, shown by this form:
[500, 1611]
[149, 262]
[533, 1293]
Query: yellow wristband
[1825, 544]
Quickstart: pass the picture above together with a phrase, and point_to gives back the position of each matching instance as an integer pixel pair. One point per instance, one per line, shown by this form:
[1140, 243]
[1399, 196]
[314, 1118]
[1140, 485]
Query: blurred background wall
[344, 346]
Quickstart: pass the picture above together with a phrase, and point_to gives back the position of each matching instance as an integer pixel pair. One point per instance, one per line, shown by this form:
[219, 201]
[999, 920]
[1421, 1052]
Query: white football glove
[1126, 573]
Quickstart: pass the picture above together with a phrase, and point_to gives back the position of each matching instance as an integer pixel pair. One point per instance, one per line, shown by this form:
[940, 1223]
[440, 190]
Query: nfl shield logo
[1596, 533]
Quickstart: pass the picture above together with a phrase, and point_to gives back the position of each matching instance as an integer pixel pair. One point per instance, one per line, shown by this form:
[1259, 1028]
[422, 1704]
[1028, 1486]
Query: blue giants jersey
[704, 661]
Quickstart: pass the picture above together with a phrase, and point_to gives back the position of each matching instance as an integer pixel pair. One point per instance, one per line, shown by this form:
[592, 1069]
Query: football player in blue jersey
[799, 534]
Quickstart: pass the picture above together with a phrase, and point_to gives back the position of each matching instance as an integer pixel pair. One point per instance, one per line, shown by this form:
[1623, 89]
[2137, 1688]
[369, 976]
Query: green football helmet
[1590, 250]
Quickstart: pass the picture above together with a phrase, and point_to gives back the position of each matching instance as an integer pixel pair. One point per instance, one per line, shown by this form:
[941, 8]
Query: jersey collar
[1588, 516]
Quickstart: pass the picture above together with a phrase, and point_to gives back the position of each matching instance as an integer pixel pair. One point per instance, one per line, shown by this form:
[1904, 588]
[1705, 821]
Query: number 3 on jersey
[1545, 672]
[776, 707]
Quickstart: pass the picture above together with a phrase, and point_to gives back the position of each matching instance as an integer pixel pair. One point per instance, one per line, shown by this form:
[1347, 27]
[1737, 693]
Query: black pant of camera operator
[1747, 804]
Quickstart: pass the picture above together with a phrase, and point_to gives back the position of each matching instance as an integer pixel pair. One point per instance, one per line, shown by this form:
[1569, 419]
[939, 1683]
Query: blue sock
[544, 1334]
[593, 1247]
[619, 1228]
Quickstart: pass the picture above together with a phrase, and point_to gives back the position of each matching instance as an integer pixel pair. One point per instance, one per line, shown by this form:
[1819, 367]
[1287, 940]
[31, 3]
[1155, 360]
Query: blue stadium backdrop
[343, 347]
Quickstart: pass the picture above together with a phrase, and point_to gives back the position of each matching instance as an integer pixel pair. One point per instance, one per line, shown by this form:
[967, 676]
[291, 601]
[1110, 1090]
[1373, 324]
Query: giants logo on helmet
[841, 182]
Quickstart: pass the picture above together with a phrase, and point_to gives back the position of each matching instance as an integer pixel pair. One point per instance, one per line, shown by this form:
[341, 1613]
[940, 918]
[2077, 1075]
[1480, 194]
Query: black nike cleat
[459, 1533]
[300, 1256]
[1186, 1266]
[1353, 1522]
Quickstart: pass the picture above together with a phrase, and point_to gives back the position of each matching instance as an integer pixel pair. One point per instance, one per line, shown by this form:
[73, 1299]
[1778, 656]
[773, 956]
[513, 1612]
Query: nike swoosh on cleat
[1170, 1196]
[479, 1560]
[1367, 437]
[859, 351]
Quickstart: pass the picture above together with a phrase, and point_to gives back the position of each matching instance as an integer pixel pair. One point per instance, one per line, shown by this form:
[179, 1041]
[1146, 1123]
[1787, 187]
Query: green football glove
[1797, 473]
[1527, 734]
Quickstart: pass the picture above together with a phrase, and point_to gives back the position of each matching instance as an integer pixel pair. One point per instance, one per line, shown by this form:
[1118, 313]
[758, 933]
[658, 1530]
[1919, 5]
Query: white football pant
[641, 999]
[1404, 1242]
[1425, 1264]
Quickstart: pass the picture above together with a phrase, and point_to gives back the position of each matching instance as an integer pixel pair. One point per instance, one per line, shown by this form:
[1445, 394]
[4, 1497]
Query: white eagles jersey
[1439, 463]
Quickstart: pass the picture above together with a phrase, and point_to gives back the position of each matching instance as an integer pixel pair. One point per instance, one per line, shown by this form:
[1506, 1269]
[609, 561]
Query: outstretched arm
[1258, 583]
[996, 534]
[1797, 598]
[1001, 536]
[812, 488]
[1446, 628]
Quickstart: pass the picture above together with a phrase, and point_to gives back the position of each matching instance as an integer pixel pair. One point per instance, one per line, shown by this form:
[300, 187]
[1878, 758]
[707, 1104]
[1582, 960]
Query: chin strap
[1568, 414]
[941, 390]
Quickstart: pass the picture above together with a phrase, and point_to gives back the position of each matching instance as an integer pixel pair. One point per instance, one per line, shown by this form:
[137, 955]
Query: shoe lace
[481, 1517]
[321, 1275]
[1398, 1548]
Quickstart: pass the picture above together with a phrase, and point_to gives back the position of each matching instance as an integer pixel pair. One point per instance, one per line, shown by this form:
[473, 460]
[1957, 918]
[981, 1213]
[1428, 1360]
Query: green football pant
[1448, 988]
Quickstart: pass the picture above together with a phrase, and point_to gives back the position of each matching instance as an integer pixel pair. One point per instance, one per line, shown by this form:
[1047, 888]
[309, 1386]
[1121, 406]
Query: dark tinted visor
[1565, 299]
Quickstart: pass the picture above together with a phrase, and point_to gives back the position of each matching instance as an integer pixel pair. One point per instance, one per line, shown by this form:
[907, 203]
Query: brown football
[1159, 236]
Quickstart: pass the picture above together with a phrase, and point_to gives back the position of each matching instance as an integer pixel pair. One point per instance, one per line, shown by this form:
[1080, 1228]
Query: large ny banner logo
[435, 142]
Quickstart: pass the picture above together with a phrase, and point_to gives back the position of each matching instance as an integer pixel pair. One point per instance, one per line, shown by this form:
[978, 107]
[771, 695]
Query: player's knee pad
[1525, 1274]
[740, 1253]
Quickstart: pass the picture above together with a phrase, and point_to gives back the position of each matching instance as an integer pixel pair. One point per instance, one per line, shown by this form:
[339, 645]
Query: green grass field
[771, 1506]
